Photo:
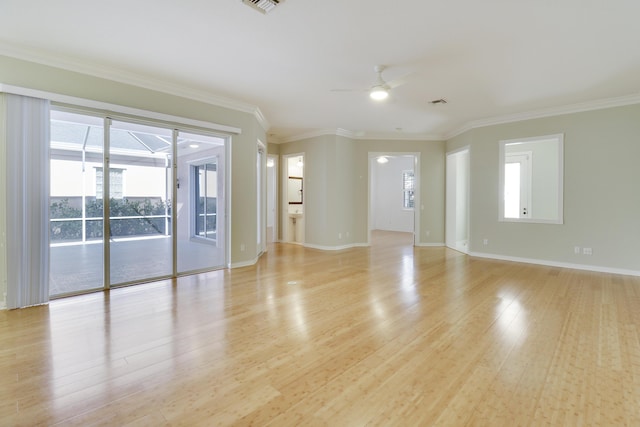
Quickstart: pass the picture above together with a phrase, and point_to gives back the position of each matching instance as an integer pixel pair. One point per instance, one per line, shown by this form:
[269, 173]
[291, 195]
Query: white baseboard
[356, 245]
[306, 245]
[596, 268]
[245, 263]
[336, 248]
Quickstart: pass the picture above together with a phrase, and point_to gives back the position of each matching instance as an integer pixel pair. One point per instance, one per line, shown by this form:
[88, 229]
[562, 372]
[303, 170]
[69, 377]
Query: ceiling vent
[264, 6]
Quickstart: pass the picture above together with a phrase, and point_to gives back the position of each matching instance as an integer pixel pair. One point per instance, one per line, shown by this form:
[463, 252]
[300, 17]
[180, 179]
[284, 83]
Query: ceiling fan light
[378, 93]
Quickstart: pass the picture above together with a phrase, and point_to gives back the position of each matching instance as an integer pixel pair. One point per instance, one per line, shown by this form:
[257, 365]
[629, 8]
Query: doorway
[457, 200]
[394, 193]
[261, 193]
[123, 211]
[272, 198]
[201, 202]
[293, 199]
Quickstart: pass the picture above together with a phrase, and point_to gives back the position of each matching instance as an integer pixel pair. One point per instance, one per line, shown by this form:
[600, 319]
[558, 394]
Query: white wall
[387, 197]
[139, 181]
[336, 180]
[3, 204]
[601, 205]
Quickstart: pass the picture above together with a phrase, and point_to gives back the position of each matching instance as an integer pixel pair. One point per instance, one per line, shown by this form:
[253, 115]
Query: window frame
[194, 193]
[522, 158]
[554, 203]
[408, 194]
[99, 172]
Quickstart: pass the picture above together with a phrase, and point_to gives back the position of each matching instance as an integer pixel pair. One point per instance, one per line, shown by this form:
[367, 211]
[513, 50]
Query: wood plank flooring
[387, 335]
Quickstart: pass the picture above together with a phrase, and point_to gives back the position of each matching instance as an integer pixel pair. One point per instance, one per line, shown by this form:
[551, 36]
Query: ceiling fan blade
[347, 90]
[399, 81]
[380, 83]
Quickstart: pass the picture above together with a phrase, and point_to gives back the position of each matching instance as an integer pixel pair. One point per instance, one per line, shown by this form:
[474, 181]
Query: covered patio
[78, 267]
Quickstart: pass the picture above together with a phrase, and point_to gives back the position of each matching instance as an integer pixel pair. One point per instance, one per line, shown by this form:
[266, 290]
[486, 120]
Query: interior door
[457, 200]
[517, 188]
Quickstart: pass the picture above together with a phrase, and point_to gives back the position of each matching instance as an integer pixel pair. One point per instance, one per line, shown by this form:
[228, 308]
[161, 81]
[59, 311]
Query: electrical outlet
[241, 247]
[587, 251]
[576, 250]
[485, 242]
[339, 235]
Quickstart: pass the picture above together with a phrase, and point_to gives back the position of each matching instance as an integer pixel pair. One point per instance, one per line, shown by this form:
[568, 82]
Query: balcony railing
[63, 230]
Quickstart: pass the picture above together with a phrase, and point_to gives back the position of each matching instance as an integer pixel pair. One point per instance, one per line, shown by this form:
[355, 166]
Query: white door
[457, 202]
[517, 185]
[272, 167]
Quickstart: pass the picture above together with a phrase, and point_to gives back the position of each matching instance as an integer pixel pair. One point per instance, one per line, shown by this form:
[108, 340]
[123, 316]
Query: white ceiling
[489, 59]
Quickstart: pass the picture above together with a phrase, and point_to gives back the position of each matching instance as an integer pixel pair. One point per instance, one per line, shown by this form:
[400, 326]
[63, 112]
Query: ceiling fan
[380, 89]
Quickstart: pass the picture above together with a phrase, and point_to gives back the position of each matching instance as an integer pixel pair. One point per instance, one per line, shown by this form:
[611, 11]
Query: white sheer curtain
[27, 203]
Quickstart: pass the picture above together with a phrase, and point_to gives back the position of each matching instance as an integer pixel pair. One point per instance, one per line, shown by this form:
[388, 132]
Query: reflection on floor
[78, 268]
[386, 335]
[395, 238]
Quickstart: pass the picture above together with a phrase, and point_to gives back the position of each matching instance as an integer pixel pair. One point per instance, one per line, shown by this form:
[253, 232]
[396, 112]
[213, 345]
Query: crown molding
[262, 120]
[399, 136]
[316, 133]
[388, 136]
[118, 109]
[125, 77]
[600, 104]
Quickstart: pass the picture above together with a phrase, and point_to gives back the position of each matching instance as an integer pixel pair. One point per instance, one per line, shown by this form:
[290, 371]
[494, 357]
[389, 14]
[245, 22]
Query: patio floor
[79, 267]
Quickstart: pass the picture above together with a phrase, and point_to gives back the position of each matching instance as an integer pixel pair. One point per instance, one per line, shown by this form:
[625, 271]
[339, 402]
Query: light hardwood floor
[387, 335]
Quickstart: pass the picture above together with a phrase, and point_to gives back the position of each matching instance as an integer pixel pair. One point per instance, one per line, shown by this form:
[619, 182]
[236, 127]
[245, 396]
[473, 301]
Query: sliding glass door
[126, 169]
[75, 213]
[201, 202]
[139, 204]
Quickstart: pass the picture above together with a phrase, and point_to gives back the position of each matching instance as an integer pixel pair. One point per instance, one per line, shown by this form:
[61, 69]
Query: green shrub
[139, 226]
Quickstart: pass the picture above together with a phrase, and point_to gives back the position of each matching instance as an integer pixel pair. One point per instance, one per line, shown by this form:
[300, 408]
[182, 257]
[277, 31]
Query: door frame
[451, 196]
[284, 217]
[261, 197]
[417, 201]
[272, 198]
[174, 129]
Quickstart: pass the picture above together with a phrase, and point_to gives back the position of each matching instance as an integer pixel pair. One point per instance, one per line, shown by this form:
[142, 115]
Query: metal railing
[82, 232]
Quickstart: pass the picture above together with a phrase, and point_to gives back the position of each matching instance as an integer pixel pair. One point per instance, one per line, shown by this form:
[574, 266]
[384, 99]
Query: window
[517, 185]
[206, 179]
[408, 186]
[531, 180]
[116, 183]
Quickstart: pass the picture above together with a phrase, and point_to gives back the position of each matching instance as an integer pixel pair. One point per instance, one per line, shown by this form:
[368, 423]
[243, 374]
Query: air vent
[264, 6]
[438, 101]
